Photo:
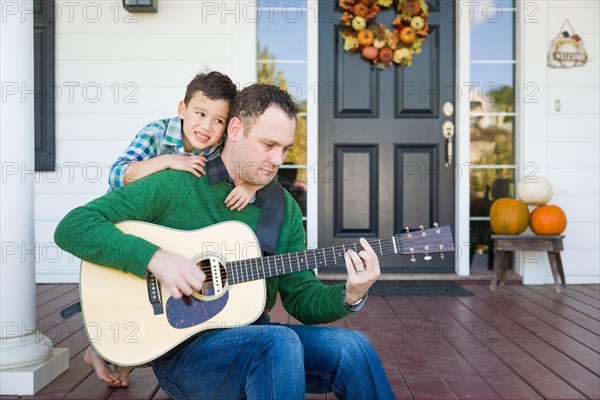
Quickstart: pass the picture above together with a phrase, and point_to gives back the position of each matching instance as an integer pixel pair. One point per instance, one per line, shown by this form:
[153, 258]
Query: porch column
[27, 360]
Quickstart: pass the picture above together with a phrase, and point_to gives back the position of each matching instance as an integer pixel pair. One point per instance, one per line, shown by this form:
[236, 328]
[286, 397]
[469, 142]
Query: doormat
[415, 288]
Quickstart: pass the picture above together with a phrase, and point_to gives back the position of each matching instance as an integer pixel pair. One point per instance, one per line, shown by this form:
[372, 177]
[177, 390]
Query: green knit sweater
[179, 200]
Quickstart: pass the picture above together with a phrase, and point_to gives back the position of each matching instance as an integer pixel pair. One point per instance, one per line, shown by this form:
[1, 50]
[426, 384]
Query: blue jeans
[273, 361]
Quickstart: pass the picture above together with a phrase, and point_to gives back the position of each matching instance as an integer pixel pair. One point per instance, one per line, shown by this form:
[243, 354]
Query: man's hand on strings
[176, 273]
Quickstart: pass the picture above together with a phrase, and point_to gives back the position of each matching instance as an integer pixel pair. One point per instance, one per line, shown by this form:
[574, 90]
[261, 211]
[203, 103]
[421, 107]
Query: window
[43, 32]
[492, 154]
[280, 24]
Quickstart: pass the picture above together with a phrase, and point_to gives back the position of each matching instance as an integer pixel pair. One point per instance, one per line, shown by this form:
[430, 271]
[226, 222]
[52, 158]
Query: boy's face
[203, 121]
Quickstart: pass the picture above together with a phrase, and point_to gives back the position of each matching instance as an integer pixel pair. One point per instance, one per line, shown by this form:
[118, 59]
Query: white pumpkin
[535, 190]
[402, 55]
[359, 23]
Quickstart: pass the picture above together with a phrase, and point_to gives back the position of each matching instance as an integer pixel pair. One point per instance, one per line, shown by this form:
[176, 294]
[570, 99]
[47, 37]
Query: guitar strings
[238, 266]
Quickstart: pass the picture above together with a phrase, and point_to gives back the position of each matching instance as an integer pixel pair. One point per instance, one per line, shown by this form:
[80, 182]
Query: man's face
[203, 121]
[260, 150]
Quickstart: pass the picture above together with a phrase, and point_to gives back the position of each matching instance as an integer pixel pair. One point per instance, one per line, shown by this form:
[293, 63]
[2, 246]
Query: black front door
[382, 155]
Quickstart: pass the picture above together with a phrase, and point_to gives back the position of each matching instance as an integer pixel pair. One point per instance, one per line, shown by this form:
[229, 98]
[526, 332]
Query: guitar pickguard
[187, 312]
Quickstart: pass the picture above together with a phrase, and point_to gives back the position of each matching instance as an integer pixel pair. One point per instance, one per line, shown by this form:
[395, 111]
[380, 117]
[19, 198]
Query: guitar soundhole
[215, 284]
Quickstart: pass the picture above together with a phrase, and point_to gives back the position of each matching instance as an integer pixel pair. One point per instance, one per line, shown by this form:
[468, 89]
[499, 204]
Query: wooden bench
[503, 244]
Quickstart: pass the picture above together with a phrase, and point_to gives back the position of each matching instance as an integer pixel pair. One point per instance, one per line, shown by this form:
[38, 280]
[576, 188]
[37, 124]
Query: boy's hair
[254, 100]
[214, 85]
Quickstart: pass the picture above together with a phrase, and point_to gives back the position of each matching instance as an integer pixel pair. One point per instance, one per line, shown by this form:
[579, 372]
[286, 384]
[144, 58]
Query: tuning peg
[407, 230]
[435, 224]
[427, 256]
[412, 258]
[422, 227]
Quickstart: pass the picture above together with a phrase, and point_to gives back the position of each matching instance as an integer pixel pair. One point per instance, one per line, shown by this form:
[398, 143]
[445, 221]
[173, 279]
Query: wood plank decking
[520, 342]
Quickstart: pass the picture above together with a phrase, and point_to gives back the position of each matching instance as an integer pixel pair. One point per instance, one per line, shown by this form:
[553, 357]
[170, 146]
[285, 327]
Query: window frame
[302, 168]
[515, 115]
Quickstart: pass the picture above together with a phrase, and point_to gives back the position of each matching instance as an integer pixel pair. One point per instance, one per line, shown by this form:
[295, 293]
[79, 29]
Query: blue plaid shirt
[157, 138]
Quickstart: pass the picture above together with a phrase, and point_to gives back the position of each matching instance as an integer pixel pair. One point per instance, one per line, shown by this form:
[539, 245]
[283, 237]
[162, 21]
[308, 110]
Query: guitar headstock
[426, 241]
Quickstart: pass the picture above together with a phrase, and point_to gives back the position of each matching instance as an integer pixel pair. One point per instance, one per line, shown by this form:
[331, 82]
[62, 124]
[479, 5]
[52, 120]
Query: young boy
[183, 143]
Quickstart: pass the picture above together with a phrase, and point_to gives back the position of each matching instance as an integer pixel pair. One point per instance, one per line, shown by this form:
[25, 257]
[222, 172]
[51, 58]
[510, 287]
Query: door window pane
[481, 247]
[492, 32]
[297, 155]
[487, 185]
[294, 180]
[492, 140]
[283, 31]
[271, 4]
[492, 88]
[291, 77]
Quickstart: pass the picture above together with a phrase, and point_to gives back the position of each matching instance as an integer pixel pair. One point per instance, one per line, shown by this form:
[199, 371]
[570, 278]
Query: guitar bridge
[215, 267]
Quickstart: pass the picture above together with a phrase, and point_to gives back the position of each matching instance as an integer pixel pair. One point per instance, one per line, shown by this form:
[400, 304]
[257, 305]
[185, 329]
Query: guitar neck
[425, 241]
[282, 264]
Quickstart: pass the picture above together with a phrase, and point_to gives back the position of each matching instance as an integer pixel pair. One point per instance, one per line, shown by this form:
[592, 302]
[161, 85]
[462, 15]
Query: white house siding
[115, 71]
[142, 63]
[565, 144]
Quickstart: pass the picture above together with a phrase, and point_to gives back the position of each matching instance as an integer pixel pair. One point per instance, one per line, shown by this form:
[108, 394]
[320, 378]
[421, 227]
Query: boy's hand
[241, 195]
[192, 164]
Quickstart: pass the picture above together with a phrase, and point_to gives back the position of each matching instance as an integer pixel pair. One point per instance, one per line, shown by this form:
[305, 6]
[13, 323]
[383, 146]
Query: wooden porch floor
[520, 342]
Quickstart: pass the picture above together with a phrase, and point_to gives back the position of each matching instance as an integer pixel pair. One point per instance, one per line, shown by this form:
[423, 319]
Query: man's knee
[354, 345]
[283, 340]
[280, 350]
[357, 337]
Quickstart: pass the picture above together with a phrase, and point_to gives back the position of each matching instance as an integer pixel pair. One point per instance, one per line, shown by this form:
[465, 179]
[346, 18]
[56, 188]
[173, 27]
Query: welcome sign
[567, 50]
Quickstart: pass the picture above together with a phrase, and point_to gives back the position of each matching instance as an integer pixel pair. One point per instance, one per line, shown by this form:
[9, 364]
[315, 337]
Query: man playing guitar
[262, 360]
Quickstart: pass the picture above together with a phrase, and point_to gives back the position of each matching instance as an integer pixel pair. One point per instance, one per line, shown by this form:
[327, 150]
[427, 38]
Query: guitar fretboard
[282, 264]
[435, 240]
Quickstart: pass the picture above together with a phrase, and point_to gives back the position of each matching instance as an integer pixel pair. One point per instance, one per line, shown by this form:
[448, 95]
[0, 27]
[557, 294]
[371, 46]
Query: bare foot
[124, 375]
[118, 378]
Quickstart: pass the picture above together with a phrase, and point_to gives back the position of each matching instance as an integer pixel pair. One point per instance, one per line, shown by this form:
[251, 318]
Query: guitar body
[119, 318]
[132, 321]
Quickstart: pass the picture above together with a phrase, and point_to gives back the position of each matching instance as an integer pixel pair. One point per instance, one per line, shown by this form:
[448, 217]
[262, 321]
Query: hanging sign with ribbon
[566, 50]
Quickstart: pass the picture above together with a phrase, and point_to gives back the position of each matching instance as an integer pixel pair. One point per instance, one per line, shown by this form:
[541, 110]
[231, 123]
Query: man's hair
[254, 100]
[214, 85]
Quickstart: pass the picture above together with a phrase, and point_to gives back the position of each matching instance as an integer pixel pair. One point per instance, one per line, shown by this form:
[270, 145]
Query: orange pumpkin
[360, 9]
[408, 35]
[370, 53]
[509, 216]
[548, 220]
[386, 55]
[365, 37]
[412, 7]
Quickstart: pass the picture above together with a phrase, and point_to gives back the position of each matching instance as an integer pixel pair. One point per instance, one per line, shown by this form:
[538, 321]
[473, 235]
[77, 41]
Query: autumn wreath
[375, 41]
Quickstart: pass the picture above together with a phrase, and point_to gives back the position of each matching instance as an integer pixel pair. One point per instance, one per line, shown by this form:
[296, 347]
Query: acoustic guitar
[132, 321]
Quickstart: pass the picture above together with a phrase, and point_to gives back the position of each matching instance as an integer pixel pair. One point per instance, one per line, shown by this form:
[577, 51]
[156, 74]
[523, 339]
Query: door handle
[448, 133]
